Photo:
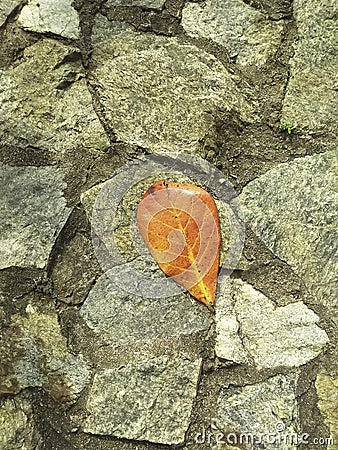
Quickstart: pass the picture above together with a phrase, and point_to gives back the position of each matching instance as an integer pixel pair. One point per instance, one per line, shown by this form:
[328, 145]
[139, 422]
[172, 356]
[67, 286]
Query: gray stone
[121, 318]
[75, 270]
[257, 412]
[35, 354]
[32, 213]
[6, 7]
[293, 210]
[154, 4]
[103, 28]
[149, 401]
[16, 425]
[251, 328]
[244, 31]
[45, 16]
[310, 102]
[162, 93]
[54, 111]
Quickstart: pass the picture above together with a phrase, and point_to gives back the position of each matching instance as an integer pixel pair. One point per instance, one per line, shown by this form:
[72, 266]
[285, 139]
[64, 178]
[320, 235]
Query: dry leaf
[179, 224]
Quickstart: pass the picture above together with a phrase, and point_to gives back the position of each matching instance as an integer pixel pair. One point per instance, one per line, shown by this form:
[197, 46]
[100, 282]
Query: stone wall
[89, 86]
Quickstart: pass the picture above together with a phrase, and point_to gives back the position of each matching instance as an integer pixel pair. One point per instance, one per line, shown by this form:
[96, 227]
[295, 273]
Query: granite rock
[310, 101]
[121, 318]
[246, 32]
[148, 401]
[53, 112]
[162, 93]
[33, 212]
[327, 391]
[250, 328]
[293, 209]
[35, 354]
[45, 16]
[6, 7]
[259, 410]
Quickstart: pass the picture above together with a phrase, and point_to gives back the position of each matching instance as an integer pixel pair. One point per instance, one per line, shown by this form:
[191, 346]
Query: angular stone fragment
[162, 92]
[327, 390]
[310, 102]
[54, 111]
[250, 327]
[45, 16]
[121, 318]
[154, 4]
[243, 30]
[6, 7]
[32, 213]
[16, 425]
[148, 401]
[293, 209]
[255, 412]
[34, 353]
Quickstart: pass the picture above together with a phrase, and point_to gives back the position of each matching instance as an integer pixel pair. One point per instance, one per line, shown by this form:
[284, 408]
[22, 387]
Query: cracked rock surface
[54, 112]
[246, 33]
[250, 328]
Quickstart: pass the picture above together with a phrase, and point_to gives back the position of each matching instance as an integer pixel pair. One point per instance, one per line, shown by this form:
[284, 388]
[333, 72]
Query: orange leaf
[179, 224]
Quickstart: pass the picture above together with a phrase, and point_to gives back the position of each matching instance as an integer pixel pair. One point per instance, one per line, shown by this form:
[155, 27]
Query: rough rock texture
[6, 7]
[327, 390]
[250, 327]
[32, 213]
[16, 425]
[50, 16]
[54, 111]
[103, 28]
[310, 102]
[260, 409]
[121, 318]
[292, 208]
[149, 401]
[246, 33]
[74, 271]
[155, 4]
[162, 93]
[34, 353]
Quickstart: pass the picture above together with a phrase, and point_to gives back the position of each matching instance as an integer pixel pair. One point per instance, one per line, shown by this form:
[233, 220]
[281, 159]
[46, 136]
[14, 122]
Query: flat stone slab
[310, 103]
[45, 16]
[35, 354]
[246, 32]
[162, 93]
[121, 318]
[251, 329]
[54, 111]
[255, 412]
[32, 213]
[149, 401]
[293, 209]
